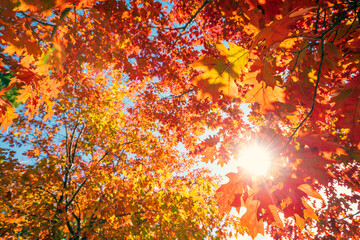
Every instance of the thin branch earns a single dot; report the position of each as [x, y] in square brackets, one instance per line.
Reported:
[7, 61]
[321, 38]
[69, 162]
[352, 24]
[324, 19]
[317, 20]
[297, 57]
[206, 2]
[314, 95]
[71, 142]
[102, 158]
[178, 96]
[337, 22]
[76, 193]
[38, 21]
[78, 222]
[351, 216]
[76, 143]
[71, 230]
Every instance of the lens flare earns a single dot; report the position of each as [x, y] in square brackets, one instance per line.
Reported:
[255, 159]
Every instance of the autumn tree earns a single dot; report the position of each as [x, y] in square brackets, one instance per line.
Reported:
[96, 172]
[114, 99]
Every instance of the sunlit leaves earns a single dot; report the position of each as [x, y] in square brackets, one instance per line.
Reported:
[279, 29]
[310, 191]
[118, 97]
[265, 96]
[250, 218]
[219, 74]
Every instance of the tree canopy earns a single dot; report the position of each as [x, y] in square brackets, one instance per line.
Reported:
[106, 109]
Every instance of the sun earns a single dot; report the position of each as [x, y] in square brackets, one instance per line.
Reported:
[255, 159]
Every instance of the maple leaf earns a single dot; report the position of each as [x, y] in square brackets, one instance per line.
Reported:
[321, 142]
[265, 96]
[250, 218]
[310, 191]
[219, 74]
[275, 212]
[229, 194]
[8, 118]
[77, 61]
[347, 104]
[209, 154]
[24, 94]
[236, 56]
[261, 71]
[279, 29]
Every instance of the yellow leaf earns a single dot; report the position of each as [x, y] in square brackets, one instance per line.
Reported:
[236, 55]
[49, 105]
[11, 49]
[219, 74]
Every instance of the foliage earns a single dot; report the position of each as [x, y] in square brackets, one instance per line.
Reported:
[9, 94]
[116, 96]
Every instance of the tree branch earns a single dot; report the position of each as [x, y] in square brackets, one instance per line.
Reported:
[71, 230]
[178, 96]
[76, 193]
[321, 38]
[351, 216]
[314, 95]
[76, 144]
[38, 21]
[206, 2]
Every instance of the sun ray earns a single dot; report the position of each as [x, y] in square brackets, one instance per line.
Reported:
[255, 159]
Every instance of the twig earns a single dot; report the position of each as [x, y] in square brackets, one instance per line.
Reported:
[206, 2]
[178, 96]
[38, 21]
[317, 20]
[297, 57]
[321, 38]
[314, 96]
[350, 216]
[62, 16]
[76, 193]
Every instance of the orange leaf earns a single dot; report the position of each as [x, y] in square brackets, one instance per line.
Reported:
[265, 96]
[310, 191]
[250, 219]
[8, 118]
[209, 154]
[322, 142]
[299, 221]
[279, 30]
[275, 212]
[25, 93]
